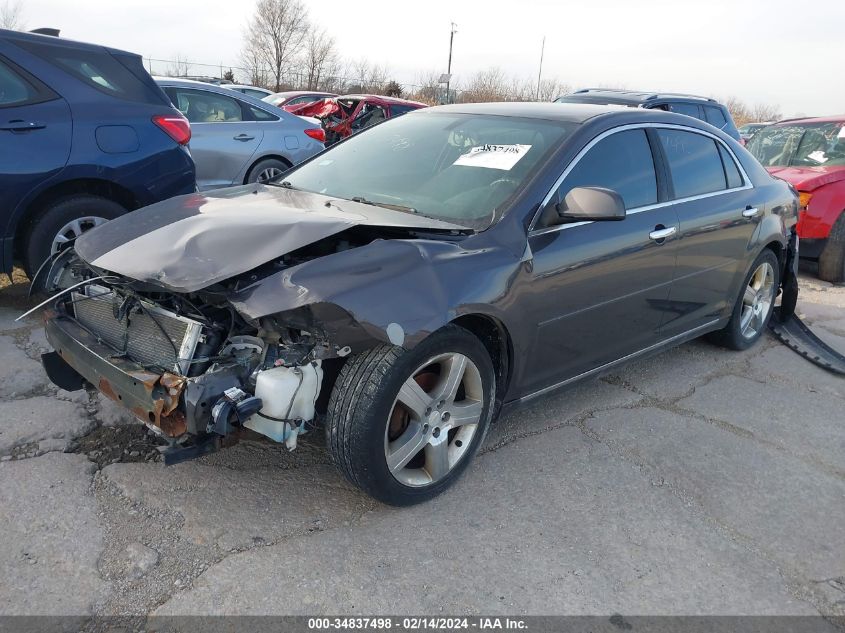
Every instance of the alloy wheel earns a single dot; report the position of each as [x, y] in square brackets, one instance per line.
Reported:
[433, 419]
[757, 300]
[74, 229]
[266, 175]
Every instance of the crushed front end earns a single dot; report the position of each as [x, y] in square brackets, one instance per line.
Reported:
[186, 365]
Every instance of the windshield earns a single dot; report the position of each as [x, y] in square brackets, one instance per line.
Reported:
[808, 145]
[455, 167]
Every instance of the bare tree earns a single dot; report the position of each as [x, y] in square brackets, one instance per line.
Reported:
[253, 61]
[551, 89]
[179, 67]
[277, 31]
[765, 112]
[487, 85]
[11, 15]
[320, 56]
[739, 111]
[427, 88]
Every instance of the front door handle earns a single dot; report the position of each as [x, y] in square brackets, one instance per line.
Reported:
[22, 126]
[750, 212]
[658, 235]
[243, 137]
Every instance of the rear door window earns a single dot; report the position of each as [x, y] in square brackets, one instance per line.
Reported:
[732, 174]
[202, 106]
[124, 78]
[398, 109]
[14, 89]
[622, 162]
[694, 162]
[715, 117]
[261, 115]
[688, 109]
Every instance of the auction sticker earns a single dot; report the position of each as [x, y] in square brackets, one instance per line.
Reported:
[492, 156]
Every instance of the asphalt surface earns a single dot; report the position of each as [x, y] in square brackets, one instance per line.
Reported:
[701, 481]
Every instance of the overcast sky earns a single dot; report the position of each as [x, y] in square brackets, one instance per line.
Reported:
[758, 50]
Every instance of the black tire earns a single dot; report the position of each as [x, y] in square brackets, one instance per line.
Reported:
[264, 165]
[54, 217]
[731, 335]
[832, 258]
[362, 402]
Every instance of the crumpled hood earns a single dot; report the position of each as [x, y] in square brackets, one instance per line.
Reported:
[190, 242]
[808, 178]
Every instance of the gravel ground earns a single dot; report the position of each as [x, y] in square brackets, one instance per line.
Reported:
[700, 481]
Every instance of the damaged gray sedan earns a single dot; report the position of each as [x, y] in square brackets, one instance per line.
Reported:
[405, 287]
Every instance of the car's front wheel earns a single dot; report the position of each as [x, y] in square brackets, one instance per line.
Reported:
[832, 258]
[403, 425]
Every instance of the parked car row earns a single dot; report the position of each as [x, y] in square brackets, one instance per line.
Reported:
[87, 135]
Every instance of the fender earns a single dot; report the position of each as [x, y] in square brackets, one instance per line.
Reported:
[396, 291]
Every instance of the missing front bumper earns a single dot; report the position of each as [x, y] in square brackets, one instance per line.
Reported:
[152, 397]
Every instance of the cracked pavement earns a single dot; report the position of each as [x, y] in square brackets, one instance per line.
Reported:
[700, 481]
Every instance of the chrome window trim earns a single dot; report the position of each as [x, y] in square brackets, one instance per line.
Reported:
[636, 126]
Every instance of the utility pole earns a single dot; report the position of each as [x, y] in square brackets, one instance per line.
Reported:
[540, 74]
[449, 67]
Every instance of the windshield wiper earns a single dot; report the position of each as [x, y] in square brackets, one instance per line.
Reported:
[385, 205]
[284, 184]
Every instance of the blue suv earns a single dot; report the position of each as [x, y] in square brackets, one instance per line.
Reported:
[85, 136]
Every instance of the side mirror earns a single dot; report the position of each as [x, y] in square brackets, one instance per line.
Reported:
[591, 203]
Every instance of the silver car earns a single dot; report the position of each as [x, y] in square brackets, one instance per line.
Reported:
[237, 139]
[252, 91]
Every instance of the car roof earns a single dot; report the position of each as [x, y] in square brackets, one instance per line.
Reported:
[570, 112]
[632, 96]
[176, 82]
[51, 39]
[232, 86]
[819, 119]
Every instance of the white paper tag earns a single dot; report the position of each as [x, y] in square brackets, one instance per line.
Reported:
[493, 156]
[841, 132]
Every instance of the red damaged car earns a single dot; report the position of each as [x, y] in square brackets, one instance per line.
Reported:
[343, 116]
[810, 155]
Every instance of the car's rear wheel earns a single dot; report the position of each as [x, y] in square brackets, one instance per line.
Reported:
[755, 304]
[403, 425]
[58, 226]
[832, 258]
[267, 170]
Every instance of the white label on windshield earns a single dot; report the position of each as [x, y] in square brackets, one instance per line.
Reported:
[841, 132]
[493, 156]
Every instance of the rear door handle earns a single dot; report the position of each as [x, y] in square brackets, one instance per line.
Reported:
[22, 126]
[750, 212]
[661, 234]
[243, 137]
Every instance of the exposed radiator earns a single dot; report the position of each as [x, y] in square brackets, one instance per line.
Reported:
[152, 336]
